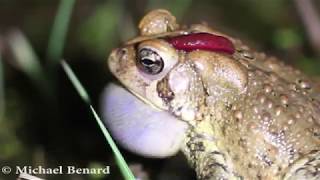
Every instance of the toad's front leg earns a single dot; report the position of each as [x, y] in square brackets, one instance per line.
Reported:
[307, 168]
[222, 80]
[204, 156]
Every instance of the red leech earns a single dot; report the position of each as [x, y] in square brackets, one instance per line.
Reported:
[202, 41]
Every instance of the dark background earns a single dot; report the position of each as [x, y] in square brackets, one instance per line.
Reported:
[44, 122]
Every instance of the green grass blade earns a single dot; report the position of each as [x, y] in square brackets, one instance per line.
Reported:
[76, 83]
[126, 172]
[59, 31]
[27, 61]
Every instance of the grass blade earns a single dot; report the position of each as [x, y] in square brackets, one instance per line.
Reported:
[27, 61]
[59, 31]
[126, 172]
[76, 83]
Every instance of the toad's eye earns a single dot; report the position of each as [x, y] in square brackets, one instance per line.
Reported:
[149, 61]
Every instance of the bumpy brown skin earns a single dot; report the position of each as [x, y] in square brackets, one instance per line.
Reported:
[250, 116]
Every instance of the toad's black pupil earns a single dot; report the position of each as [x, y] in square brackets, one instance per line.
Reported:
[147, 62]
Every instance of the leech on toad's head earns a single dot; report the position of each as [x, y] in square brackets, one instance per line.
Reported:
[202, 41]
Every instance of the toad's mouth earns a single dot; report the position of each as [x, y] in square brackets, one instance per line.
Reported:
[144, 100]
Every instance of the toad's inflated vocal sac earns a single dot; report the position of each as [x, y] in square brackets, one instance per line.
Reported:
[234, 113]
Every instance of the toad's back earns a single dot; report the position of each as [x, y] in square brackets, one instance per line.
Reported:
[273, 129]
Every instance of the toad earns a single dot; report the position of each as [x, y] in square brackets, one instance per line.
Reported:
[235, 113]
